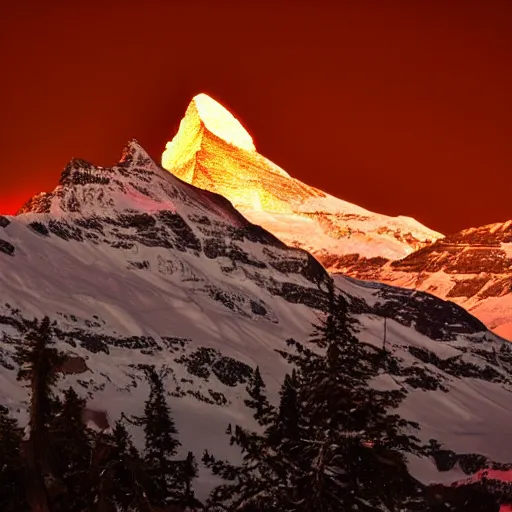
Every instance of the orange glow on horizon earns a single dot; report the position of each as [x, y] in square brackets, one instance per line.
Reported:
[10, 205]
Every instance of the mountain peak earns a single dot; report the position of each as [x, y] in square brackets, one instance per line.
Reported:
[218, 120]
[212, 151]
[136, 185]
[205, 117]
[133, 152]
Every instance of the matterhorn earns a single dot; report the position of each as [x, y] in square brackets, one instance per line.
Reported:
[213, 151]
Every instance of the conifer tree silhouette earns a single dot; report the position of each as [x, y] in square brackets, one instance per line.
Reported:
[12, 470]
[39, 361]
[333, 443]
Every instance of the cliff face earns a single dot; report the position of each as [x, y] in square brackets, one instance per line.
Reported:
[472, 268]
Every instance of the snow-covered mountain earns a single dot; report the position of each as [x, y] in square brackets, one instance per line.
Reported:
[214, 152]
[138, 267]
[472, 268]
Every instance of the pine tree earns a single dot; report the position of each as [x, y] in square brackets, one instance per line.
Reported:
[170, 479]
[353, 443]
[288, 421]
[12, 471]
[130, 477]
[72, 442]
[101, 478]
[117, 481]
[333, 444]
[264, 475]
[39, 362]
[258, 401]
[161, 443]
[187, 474]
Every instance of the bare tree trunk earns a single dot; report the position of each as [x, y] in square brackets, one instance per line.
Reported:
[38, 495]
[37, 491]
[385, 333]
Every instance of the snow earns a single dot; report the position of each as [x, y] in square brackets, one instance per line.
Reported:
[147, 204]
[507, 247]
[52, 276]
[494, 312]
[60, 276]
[309, 234]
[222, 123]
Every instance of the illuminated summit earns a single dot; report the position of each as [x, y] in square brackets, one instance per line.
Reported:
[205, 113]
[221, 122]
[213, 151]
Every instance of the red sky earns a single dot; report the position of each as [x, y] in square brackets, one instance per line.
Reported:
[400, 107]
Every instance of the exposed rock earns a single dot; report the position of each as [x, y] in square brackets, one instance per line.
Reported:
[6, 247]
[73, 365]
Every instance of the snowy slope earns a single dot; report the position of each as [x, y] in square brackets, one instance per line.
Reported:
[138, 267]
